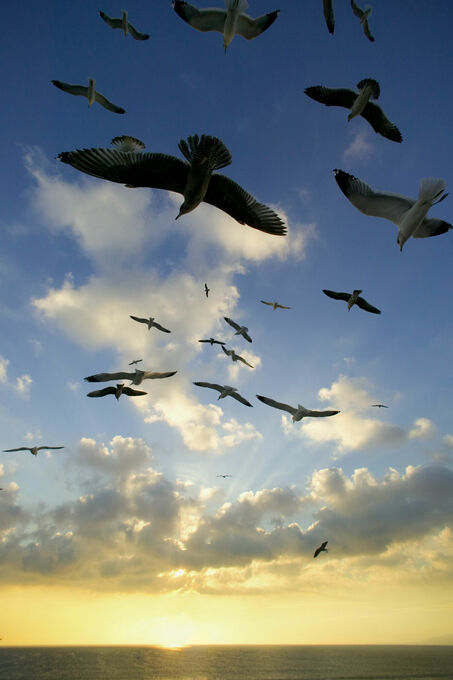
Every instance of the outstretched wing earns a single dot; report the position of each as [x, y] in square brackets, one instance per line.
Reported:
[21, 448]
[103, 392]
[357, 11]
[277, 404]
[240, 398]
[232, 323]
[319, 414]
[331, 96]
[78, 90]
[250, 28]
[114, 23]
[213, 386]
[139, 319]
[136, 34]
[363, 304]
[337, 296]
[202, 19]
[244, 361]
[133, 393]
[329, 15]
[431, 227]
[161, 328]
[154, 376]
[107, 104]
[380, 123]
[104, 377]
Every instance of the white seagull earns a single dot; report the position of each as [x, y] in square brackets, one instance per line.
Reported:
[297, 413]
[225, 391]
[275, 305]
[33, 449]
[90, 93]
[329, 15]
[117, 391]
[353, 299]
[136, 378]
[359, 104]
[240, 330]
[229, 21]
[124, 24]
[235, 357]
[322, 548]
[363, 16]
[150, 323]
[193, 178]
[408, 214]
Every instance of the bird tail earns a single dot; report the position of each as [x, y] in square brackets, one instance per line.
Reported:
[196, 149]
[127, 143]
[430, 188]
[372, 84]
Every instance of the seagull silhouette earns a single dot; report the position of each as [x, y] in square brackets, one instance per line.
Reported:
[213, 342]
[90, 93]
[240, 330]
[124, 24]
[322, 548]
[33, 449]
[117, 391]
[275, 305]
[363, 16]
[296, 413]
[225, 391]
[150, 323]
[206, 289]
[235, 357]
[353, 299]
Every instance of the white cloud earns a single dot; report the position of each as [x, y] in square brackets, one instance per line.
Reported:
[21, 385]
[423, 429]
[360, 147]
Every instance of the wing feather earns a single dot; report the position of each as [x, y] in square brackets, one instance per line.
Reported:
[331, 96]
[277, 404]
[380, 123]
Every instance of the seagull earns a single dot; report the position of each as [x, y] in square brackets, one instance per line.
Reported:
[89, 92]
[225, 391]
[150, 323]
[329, 15]
[127, 144]
[124, 25]
[363, 16]
[322, 548]
[206, 289]
[137, 377]
[135, 361]
[224, 476]
[229, 21]
[240, 330]
[192, 178]
[297, 413]
[117, 391]
[408, 214]
[359, 105]
[213, 342]
[275, 305]
[379, 405]
[352, 299]
[33, 450]
[235, 357]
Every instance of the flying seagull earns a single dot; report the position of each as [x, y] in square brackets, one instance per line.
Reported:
[235, 357]
[33, 449]
[329, 15]
[135, 361]
[150, 323]
[408, 214]
[240, 330]
[117, 391]
[275, 305]
[124, 25]
[229, 21]
[193, 178]
[89, 92]
[322, 548]
[206, 289]
[137, 377]
[127, 144]
[379, 405]
[297, 413]
[224, 476]
[225, 391]
[213, 342]
[363, 16]
[353, 299]
[359, 105]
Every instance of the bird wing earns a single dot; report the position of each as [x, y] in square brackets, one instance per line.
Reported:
[319, 414]
[267, 303]
[250, 28]
[331, 96]
[155, 170]
[133, 393]
[282, 306]
[136, 34]
[367, 31]
[103, 392]
[161, 328]
[240, 398]
[246, 336]
[228, 196]
[277, 404]
[337, 296]
[104, 377]
[139, 319]
[380, 123]
[107, 104]
[232, 323]
[21, 448]
[380, 405]
[244, 361]
[78, 90]
[329, 15]
[228, 352]
[431, 227]
[153, 376]
[213, 386]
[363, 304]
[357, 11]
[211, 19]
[49, 447]
[114, 23]
[378, 204]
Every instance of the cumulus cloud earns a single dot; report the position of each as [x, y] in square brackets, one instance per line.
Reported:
[22, 384]
[360, 148]
[423, 429]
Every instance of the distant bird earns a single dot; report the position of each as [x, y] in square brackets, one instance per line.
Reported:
[359, 105]
[408, 214]
[117, 391]
[137, 377]
[90, 93]
[379, 405]
[297, 413]
[213, 342]
[352, 299]
[240, 330]
[33, 450]
[206, 289]
[322, 548]
[193, 179]
[235, 357]
[363, 16]
[229, 21]
[275, 305]
[135, 361]
[329, 15]
[127, 144]
[224, 476]
[124, 25]
[225, 391]
[150, 323]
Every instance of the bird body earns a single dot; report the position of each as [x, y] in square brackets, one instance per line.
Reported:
[235, 357]
[33, 449]
[240, 330]
[408, 214]
[322, 548]
[150, 323]
[90, 93]
[124, 25]
[117, 391]
[136, 378]
[352, 299]
[296, 413]
[225, 391]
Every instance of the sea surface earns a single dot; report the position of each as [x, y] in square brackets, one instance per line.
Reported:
[227, 663]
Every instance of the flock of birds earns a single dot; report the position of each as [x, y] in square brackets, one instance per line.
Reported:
[197, 180]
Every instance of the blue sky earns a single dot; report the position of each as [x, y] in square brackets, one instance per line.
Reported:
[79, 255]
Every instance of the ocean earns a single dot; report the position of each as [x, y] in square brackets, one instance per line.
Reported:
[216, 662]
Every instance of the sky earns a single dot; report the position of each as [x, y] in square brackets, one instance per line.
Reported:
[128, 535]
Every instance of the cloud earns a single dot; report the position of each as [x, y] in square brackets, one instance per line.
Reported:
[423, 429]
[360, 147]
[22, 384]
[123, 455]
